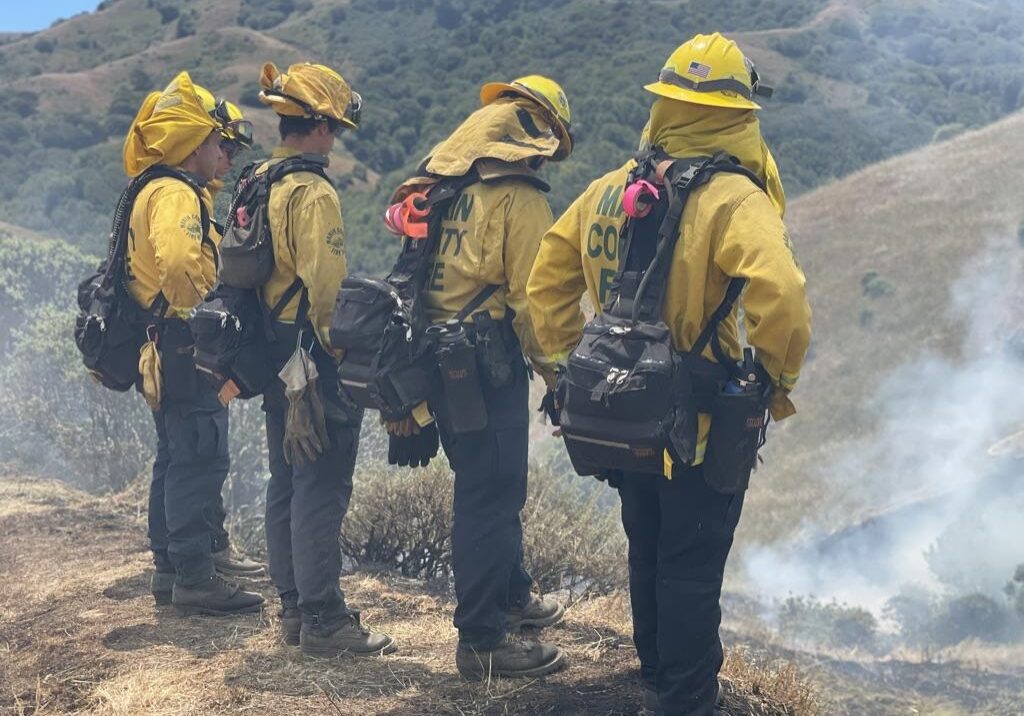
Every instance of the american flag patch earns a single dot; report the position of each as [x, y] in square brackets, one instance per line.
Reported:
[699, 70]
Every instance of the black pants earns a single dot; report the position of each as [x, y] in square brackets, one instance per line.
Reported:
[306, 505]
[185, 506]
[490, 491]
[219, 539]
[680, 532]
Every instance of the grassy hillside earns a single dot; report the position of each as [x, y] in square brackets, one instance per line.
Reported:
[884, 250]
[857, 82]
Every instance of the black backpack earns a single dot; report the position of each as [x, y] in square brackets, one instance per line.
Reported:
[111, 327]
[390, 361]
[231, 326]
[627, 394]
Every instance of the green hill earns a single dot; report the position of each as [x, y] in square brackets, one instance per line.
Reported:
[856, 83]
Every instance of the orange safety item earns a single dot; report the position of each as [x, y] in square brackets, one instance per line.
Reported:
[407, 218]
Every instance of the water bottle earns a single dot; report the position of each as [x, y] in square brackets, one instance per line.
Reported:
[457, 360]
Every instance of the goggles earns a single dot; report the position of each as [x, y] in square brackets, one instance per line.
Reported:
[241, 128]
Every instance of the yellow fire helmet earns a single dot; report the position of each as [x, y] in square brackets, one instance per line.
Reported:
[710, 70]
[233, 125]
[545, 92]
[309, 90]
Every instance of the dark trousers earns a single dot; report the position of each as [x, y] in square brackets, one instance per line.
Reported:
[490, 491]
[185, 504]
[158, 516]
[680, 532]
[306, 505]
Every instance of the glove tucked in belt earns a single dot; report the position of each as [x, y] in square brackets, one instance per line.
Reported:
[305, 427]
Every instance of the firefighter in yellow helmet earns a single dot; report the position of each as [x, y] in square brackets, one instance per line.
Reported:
[172, 263]
[235, 133]
[307, 499]
[680, 524]
[488, 242]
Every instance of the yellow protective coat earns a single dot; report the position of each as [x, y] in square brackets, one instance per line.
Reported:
[166, 251]
[309, 242]
[730, 228]
[491, 235]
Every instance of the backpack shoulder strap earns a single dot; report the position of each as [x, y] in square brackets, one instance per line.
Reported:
[679, 178]
[478, 300]
[413, 262]
[122, 218]
[315, 163]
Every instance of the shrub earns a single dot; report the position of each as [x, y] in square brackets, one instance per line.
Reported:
[808, 621]
[56, 421]
[402, 519]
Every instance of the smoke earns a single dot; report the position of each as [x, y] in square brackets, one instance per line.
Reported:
[944, 514]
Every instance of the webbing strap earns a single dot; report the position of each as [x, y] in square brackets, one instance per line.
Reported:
[732, 293]
[287, 297]
[477, 301]
[118, 253]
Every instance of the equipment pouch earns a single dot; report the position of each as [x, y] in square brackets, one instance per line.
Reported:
[456, 358]
[181, 380]
[492, 351]
[738, 424]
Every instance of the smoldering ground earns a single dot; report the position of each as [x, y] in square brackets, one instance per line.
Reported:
[939, 515]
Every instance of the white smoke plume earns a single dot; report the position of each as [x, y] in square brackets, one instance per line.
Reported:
[947, 516]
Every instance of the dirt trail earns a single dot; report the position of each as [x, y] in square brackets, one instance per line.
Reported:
[79, 635]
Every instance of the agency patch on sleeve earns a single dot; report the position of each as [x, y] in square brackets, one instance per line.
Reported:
[191, 225]
[335, 240]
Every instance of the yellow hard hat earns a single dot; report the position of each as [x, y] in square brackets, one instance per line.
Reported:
[548, 94]
[309, 90]
[233, 125]
[710, 70]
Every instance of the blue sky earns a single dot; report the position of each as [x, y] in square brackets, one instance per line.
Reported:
[28, 15]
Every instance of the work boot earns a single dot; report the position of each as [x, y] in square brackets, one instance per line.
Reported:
[215, 597]
[291, 624]
[231, 565]
[511, 658]
[351, 637]
[652, 706]
[161, 586]
[538, 612]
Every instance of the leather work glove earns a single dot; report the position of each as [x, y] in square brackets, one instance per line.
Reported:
[414, 449]
[305, 427]
[152, 375]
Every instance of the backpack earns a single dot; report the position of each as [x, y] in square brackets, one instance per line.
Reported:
[111, 327]
[231, 326]
[390, 361]
[627, 394]
[247, 249]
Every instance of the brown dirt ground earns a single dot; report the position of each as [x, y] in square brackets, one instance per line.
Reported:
[79, 635]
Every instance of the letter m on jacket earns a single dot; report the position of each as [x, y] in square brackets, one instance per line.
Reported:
[611, 203]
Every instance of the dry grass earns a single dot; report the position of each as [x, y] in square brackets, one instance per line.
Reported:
[79, 635]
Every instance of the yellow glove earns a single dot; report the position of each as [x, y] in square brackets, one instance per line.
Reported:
[152, 375]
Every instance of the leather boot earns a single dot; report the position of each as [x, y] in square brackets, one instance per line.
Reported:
[161, 586]
[214, 597]
[236, 565]
[510, 658]
[538, 612]
[350, 637]
[291, 624]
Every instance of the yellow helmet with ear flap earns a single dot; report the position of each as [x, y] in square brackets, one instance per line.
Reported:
[545, 92]
[710, 70]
